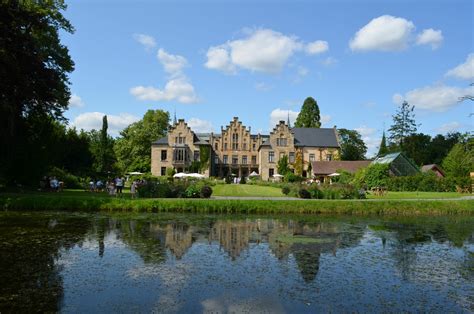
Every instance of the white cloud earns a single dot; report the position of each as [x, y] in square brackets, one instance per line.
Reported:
[302, 71]
[282, 114]
[371, 140]
[176, 89]
[173, 64]
[261, 50]
[430, 37]
[329, 61]
[317, 47]
[278, 115]
[465, 70]
[434, 98]
[263, 87]
[384, 33]
[449, 127]
[218, 58]
[93, 120]
[76, 101]
[325, 118]
[200, 126]
[146, 40]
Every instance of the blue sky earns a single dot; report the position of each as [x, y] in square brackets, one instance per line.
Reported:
[258, 60]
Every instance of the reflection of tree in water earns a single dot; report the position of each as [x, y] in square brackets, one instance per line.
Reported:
[29, 247]
[307, 259]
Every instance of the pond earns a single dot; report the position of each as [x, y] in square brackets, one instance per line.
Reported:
[78, 262]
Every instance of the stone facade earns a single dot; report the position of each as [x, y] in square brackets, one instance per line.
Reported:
[235, 151]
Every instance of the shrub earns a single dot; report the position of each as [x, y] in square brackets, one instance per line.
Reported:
[155, 189]
[372, 176]
[315, 191]
[285, 190]
[206, 191]
[70, 180]
[243, 180]
[303, 193]
[192, 191]
[291, 177]
[228, 180]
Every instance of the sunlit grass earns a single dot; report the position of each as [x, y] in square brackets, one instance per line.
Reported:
[246, 190]
[417, 195]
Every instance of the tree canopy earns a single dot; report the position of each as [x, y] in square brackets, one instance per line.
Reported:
[133, 148]
[403, 124]
[352, 145]
[460, 159]
[383, 150]
[309, 116]
[34, 81]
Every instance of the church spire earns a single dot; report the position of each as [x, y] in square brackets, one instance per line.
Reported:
[288, 122]
[174, 119]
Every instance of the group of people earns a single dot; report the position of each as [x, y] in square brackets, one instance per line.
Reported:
[51, 184]
[115, 186]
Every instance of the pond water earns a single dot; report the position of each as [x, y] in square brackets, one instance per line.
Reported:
[75, 262]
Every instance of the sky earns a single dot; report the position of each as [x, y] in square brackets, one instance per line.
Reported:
[209, 61]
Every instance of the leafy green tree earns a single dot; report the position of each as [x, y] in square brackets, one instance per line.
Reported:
[298, 164]
[102, 149]
[282, 165]
[76, 157]
[403, 124]
[133, 148]
[441, 145]
[352, 145]
[418, 147]
[383, 150]
[33, 84]
[309, 116]
[460, 160]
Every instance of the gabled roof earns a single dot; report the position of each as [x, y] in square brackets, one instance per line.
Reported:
[328, 167]
[315, 137]
[433, 167]
[161, 141]
[387, 159]
[399, 163]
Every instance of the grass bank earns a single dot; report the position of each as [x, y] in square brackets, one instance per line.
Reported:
[246, 190]
[357, 207]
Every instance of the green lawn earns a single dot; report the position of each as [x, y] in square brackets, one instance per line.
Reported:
[245, 190]
[420, 195]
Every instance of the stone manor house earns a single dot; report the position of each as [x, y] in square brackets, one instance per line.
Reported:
[237, 151]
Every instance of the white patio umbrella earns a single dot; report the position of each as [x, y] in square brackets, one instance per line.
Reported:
[277, 175]
[254, 174]
[135, 173]
[180, 175]
[195, 175]
[335, 174]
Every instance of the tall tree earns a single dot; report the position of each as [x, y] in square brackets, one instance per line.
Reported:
[418, 147]
[33, 79]
[441, 145]
[383, 150]
[133, 148]
[102, 149]
[352, 145]
[309, 116]
[460, 160]
[282, 165]
[403, 124]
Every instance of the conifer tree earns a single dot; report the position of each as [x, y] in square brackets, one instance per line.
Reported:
[309, 116]
[383, 150]
[403, 124]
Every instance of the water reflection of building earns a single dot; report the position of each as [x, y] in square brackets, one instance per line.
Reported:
[233, 236]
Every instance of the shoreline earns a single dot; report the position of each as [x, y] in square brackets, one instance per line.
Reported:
[402, 207]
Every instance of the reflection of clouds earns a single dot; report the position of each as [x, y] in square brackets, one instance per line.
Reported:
[223, 304]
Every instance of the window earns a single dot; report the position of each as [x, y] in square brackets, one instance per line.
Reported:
[235, 159]
[215, 146]
[254, 146]
[163, 171]
[179, 155]
[224, 159]
[271, 172]
[225, 146]
[235, 146]
[164, 154]
[291, 157]
[311, 157]
[328, 157]
[216, 159]
[244, 160]
[271, 156]
[254, 160]
[235, 137]
[180, 139]
[244, 146]
[196, 155]
[281, 141]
